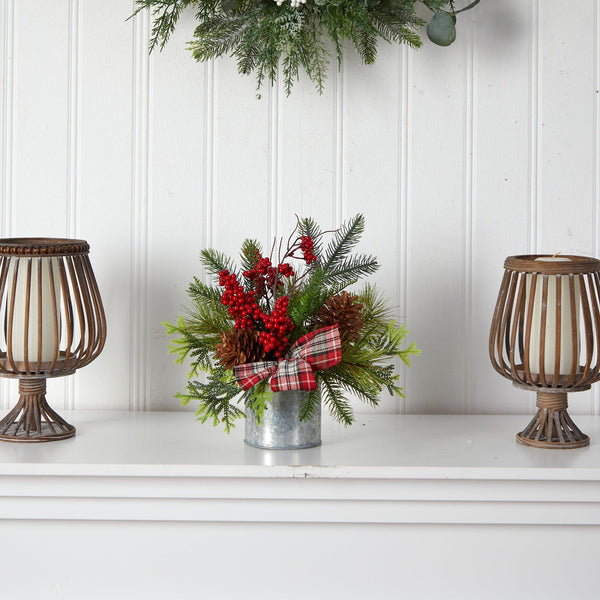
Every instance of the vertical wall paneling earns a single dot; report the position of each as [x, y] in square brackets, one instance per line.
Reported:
[73, 120]
[374, 99]
[105, 183]
[139, 210]
[596, 128]
[180, 200]
[40, 143]
[567, 71]
[567, 152]
[457, 156]
[41, 100]
[209, 158]
[6, 184]
[437, 246]
[502, 179]
[470, 152]
[535, 128]
[535, 168]
[242, 161]
[340, 143]
[403, 215]
[274, 95]
[72, 153]
[307, 153]
[8, 78]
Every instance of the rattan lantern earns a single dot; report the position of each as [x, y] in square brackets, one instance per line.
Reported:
[53, 323]
[545, 336]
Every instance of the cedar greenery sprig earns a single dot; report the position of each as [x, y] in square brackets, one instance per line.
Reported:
[368, 360]
[280, 38]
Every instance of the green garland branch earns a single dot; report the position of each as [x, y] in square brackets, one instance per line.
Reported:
[278, 38]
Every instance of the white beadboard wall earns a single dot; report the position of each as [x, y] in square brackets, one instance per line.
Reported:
[457, 156]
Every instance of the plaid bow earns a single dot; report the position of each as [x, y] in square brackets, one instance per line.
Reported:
[314, 351]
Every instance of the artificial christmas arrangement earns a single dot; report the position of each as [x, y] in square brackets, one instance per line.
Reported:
[285, 324]
[276, 38]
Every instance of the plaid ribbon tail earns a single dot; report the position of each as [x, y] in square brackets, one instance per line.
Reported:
[249, 374]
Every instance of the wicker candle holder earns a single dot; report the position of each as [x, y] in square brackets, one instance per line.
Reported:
[54, 324]
[545, 336]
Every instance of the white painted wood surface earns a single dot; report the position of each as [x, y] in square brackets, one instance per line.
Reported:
[165, 507]
[458, 157]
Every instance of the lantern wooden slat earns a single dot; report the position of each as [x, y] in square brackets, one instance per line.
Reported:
[548, 310]
[595, 290]
[558, 332]
[575, 308]
[55, 319]
[543, 319]
[54, 323]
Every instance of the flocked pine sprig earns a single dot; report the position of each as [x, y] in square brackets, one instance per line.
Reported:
[279, 38]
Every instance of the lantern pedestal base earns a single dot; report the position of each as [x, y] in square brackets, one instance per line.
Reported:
[552, 427]
[32, 419]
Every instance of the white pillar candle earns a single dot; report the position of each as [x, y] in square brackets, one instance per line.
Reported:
[50, 311]
[566, 327]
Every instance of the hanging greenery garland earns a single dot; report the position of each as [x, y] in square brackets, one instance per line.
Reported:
[276, 38]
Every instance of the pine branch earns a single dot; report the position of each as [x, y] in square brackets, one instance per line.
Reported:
[333, 397]
[165, 14]
[310, 405]
[352, 269]
[199, 292]
[215, 398]
[305, 302]
[257, 399]
[189, 345]
[215, 261]
[377, 313]
[365, 42]
[250, 254]
[347, 236]
[218, 35]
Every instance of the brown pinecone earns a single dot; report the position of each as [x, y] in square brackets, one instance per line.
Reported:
[342, 310]
[239, 346]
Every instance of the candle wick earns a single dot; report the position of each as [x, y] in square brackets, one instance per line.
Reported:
[555, 255]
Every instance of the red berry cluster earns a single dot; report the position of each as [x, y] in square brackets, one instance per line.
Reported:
[247, 314]
[307, 246]
[242, 305]
[264, 275]
[285, 269]
[277, 326]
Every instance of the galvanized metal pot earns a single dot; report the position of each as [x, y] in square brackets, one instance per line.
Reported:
[281, 427]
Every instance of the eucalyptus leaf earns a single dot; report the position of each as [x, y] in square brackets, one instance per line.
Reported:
[441, 30]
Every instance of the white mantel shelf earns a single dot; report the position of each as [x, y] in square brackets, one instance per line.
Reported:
[165, 466]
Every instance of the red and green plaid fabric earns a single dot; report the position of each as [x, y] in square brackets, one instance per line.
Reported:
[315, 351]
